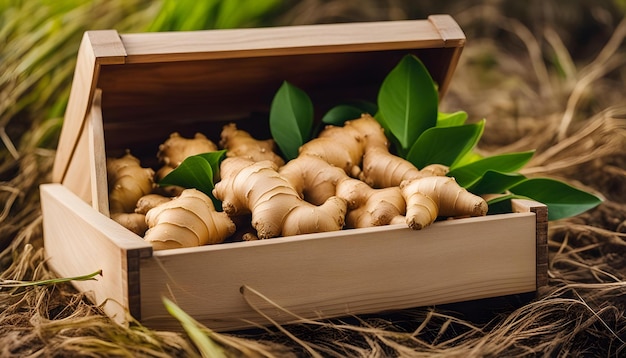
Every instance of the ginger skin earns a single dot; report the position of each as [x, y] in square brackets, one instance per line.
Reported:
[430, 197]
[362, 141]
[240, 143]
[186, 221]
[371, 207]
[177, 148]
[128, 182]
[316, 181]
[149, 201]
[276, 207]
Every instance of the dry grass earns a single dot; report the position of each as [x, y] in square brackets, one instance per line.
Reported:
[568, 108]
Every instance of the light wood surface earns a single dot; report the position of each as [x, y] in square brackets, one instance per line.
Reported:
[79, 240]
[438, 31]
[318, 275]
[97, 48]
[78, 178]
[327, 275]
[97, 158]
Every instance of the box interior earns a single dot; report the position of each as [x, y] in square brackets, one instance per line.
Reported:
[155, 99]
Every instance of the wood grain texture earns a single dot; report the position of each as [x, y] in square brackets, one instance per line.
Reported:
[96, 48]
[78, 175]
[453, 37]
[317, 275]
[97, 157]
[336, 274]
[450, 32]
[290, 40]
[79, 240]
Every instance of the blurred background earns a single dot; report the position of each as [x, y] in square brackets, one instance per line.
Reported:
[39, 39]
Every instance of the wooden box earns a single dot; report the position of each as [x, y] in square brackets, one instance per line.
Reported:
[132, 90]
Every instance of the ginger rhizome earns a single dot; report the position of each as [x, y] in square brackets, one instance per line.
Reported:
[434, 196]
[346, 177]
[240, 143]
[276, 208]
[361, 143]
[177, 148]
[186, 221]
[149, 201]
[316, 180]
[128, 182]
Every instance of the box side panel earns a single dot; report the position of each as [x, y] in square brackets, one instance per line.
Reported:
[454, 42]
[86, 174]
[97, 157]
[96, 48]
[363, 271]
[286, 40]
[78, 177]
[79, 240]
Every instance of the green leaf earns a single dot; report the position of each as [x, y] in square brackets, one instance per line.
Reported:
[199, 172]
[562, 199]
[494, 182]
[505, 163]
[408, 101]
[345, 112]
[469, 157]
[444, 145]
[500, 205]
[451, 119]
[53, 281]
[395, 143]
[291, 119]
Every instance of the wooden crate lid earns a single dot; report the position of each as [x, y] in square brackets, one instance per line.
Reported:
[153, 83]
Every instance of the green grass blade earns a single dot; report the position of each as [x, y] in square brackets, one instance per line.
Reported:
[53, 281]
[206, 346]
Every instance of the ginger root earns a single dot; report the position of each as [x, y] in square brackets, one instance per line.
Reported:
[276, 207]
[240, 143]
[371, 207]
[177, 148]
[314, 174]
[186, 221]
[429, 197]
[149, 201]
[128, 182]
[316, 181]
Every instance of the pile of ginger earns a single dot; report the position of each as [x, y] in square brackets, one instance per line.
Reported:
[344, 178]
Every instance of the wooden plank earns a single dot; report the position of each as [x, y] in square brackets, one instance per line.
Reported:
[79, 240]
[453, 38]
[336, 274]
[97, 157]
[96, 48]
[86, 173]
[77, 174]
[292, 40]
[450, 32]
